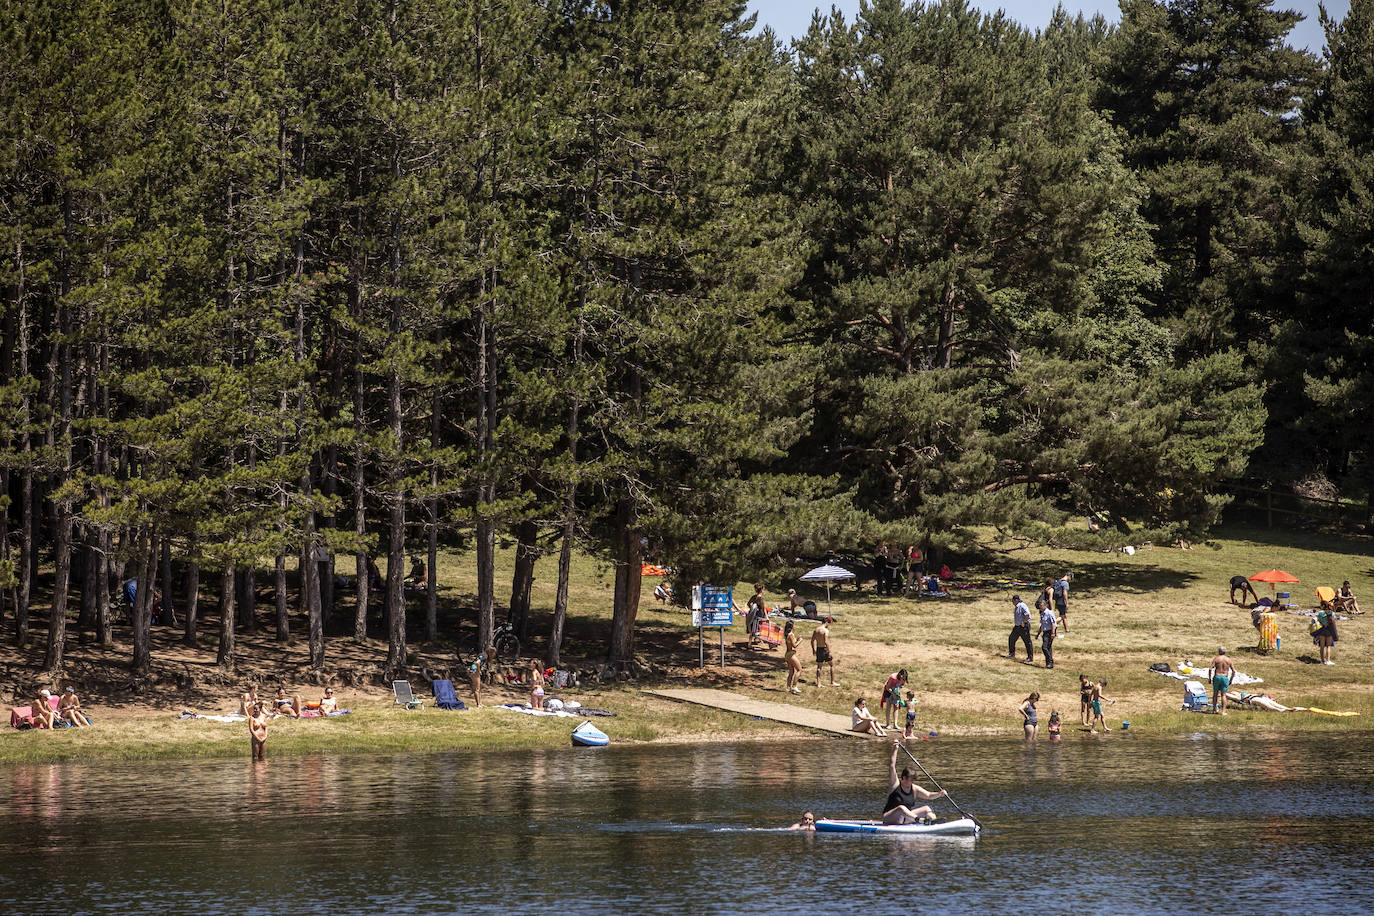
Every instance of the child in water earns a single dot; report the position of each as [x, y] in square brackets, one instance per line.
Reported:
[1055, 725]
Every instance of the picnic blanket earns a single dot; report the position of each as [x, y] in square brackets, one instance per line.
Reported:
[1187, 672]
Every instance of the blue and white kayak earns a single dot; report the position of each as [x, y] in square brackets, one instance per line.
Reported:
[962, 827]
[588, 735]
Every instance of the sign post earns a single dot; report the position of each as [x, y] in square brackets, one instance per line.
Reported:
[712, 606]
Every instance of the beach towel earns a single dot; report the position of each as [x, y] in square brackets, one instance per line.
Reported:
[444, 695]
[21, 717]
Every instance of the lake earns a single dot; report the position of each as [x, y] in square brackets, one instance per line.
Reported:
[1119, 823]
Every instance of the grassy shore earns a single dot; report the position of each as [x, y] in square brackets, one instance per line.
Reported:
[1126, 612]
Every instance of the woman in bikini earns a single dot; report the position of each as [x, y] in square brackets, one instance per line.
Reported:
[1085, 700]
[791, 642]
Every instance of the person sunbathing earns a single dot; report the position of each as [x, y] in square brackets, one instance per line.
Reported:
[287, 706]
[70, 709]
[1261, 700]
[43, 713]
[247, 700]
[1345, 599]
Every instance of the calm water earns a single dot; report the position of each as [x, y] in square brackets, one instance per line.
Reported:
[1122, 824]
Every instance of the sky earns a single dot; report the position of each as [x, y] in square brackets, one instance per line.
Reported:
[790, 18]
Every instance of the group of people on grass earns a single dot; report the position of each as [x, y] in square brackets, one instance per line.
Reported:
[1052, 616]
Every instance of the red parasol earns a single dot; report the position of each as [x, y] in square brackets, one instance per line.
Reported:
[1273, 576]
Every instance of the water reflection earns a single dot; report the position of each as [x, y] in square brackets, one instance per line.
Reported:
[1106, 825]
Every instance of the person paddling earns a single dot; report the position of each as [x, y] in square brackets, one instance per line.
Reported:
[901, 801]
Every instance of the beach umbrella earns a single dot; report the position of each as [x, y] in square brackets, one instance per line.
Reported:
[1273, 577]
[827, 574]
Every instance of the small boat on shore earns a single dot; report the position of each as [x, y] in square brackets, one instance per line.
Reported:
[588, 735]
[962, 827]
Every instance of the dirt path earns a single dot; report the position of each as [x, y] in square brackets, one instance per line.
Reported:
[777, 712]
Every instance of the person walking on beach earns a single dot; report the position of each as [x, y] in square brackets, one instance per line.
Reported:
[791, 642]
[1060, 591]
[900, 807]
[820, 645]
[1222, 672]
[1020, 629]
[257, 732]
[1046, 634]
[1030, 718]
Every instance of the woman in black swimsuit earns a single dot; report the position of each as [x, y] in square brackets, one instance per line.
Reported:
[900, 807]
[1085, 699]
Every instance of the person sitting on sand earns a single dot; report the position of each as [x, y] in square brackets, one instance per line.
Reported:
[257, 732]
[70, 709]
[287, 706]
[43, 713]
[807, 822]
[861, 720]
[327, 702]
[900, 807]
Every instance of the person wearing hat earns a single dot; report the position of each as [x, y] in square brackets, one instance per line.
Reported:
[70, 708]
[1222, 673]
[42, 710]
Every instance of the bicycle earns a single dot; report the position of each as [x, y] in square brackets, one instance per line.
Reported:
[505, 645]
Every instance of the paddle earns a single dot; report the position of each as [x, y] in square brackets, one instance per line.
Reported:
[939, 787]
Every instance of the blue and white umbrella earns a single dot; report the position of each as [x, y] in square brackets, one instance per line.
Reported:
[828, 575]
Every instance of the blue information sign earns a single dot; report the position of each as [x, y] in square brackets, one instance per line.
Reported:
[717, 606]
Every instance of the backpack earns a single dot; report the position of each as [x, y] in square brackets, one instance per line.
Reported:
[1059, 590]
[1316, 624]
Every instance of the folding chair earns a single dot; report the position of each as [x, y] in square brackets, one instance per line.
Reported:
[405, 696]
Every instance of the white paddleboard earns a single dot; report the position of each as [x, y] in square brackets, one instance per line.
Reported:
[962, 827]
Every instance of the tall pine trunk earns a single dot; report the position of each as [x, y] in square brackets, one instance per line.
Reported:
[522, 580]
[225, 656]
[143, 602]
[190, 623]
[627, 581]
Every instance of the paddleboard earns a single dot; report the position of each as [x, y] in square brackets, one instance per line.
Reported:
[962, 827]
[588, 735]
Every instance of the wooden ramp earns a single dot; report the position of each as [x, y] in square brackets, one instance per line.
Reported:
[789, 713]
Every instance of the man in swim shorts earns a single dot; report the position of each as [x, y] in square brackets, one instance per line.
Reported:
[1223, 672]
[820, 645]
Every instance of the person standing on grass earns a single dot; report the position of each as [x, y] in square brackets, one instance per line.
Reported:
[1046, 634]
[900, 807]
[791, 642]
[1030, 718]
[1325, 637]
[1222, 673]
[820, 645]
[1060, 590]
[1020, 629]
[257, 732]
